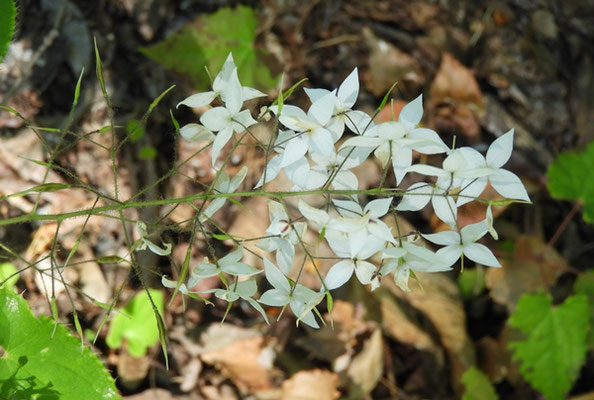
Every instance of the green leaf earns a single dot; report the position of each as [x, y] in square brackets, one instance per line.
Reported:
[147, 153]
[134, 130]
[478, 386]
[8, 273]
[585, 285]
[35, 365]
[555, 347]
[136, 324]
[7, 18]
[569, 178]
[207, 41]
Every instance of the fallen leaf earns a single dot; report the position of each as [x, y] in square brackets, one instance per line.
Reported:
[439, 299]
[367, 367]
[240, 354]
[316, 384]
[534, 266]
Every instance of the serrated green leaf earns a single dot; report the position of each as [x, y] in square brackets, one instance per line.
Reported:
[585, 285]
[207, 41]
[8, 275]
[569, 178]
[7, 18]
[478, 386]
[35, 365]
[555, 347]
[136, 324]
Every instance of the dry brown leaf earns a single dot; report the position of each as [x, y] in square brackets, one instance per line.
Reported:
[389, 65]
[316, 384]
[240, 354]
[439, 299]
[398, 326]
[367, 367]
[534, 266]
[455, 82]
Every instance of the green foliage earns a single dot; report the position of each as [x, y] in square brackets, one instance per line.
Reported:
[471, 282]
[7, 18]
[147, 153]
[35, 364]
[478, 386]
[208, 41]
[569, 178]
[8, 273]
[585, 285]
[555, 347]
[136, 323]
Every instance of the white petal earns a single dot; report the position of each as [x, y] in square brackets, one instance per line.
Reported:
[285, 255]
[445, 208]
[431, 142]
[401, 160]
[240, 269]
[321, 110]
[198, 100]
[233, 94]
[383, 154]
[315, 94]
[508, 185]
[379, 207]
[196, 133]
[216, 119]
[220, 141]
[411, 114]
[321, 142]
[443, 238]
[471, 190]
[380, 230]
[349, 89]
[298, 172]
[473, 232]
[481, 254]
[249, 93]
[339, 274]
[275, 298]
[427, 170]
[401, 278]
[295, 149]
[237, 179]
[364, 271]
[362, 141]
[275, 277]
[358, 122]
[272, 170]
[348, 208]
[449, 255]
[500, 150]
[312, 214]
[243, 120]
[345, 180]
[391, 130]
[393, 252]
[416, 197]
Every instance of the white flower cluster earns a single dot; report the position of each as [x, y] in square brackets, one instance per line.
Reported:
[307, 152]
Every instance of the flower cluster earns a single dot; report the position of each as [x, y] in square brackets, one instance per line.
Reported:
[307, 150]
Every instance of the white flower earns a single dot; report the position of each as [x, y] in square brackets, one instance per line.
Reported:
[407, 257]
[463, 243]
[286, 236]
[298, 297]
[223, 185]
[219, 86]
[240, 290]
[418, 195]
[228, 119]
[395, 141]
[196, 133]
[141, 228]
[506, 183]
[229, 264]
[342, 271]
[311, 133]
[358, 223]
[346, 96]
